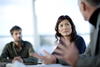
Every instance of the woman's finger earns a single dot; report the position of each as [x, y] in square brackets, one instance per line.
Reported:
[46, 53]
[62, 47]
[59, 51]
[37, 55]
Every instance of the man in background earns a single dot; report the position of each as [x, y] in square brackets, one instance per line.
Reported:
[18, 50]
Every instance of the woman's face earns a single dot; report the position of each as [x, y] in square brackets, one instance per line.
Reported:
[65, 28]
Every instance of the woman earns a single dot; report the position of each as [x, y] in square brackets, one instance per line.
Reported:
[66, 35]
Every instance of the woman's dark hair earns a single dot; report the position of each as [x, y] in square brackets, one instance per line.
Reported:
[60, 19]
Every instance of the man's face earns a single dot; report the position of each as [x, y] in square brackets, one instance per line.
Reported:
[17, 36]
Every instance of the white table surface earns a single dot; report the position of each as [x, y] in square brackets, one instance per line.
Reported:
[49, 65]
[17, 64]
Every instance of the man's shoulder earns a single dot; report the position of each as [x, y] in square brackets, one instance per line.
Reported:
[26, 43]
[9, 44]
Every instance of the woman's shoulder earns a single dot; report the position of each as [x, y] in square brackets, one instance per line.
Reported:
[78, 37]
[79, 40]
[80, 43]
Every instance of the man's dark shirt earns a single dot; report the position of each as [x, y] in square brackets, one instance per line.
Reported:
[93, 21]
[10, 51]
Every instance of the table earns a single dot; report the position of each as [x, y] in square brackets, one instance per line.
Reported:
[39, 65]
[49, 65]
[2, 64]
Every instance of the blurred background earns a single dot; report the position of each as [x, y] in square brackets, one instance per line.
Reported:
[37, 18]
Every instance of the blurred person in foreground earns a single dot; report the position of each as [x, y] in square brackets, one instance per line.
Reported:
[90, 10]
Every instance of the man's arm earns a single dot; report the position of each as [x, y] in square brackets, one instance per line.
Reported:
[88, 61]
[4, 55]
[30, 59]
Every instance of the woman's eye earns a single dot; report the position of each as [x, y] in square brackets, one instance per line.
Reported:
[67, 24]
[61, 25]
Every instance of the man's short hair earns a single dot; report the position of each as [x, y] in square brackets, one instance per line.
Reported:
[15, 28]
[95, 3]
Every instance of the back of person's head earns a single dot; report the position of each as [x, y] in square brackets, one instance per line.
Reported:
[14, 28]
[95, 3]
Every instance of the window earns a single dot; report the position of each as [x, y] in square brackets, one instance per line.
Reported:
[16, 12]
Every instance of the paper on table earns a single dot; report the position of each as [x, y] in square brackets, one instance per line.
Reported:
[15, 64]
[49, 49]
